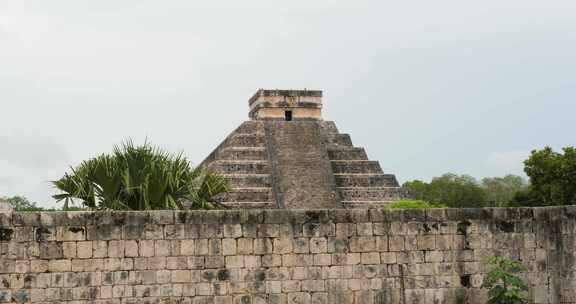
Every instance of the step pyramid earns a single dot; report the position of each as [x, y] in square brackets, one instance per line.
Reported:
[286, 156]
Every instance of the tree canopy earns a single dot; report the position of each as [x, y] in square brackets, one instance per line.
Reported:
[21, 203]
[500, 191]
[552, 176]
[450, 189]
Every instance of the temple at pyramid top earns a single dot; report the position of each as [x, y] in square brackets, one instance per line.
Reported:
[287, 156]
[286, 105]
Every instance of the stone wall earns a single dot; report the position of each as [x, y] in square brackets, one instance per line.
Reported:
[281, 256]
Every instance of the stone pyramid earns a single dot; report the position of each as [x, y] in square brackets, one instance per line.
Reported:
[287, 156]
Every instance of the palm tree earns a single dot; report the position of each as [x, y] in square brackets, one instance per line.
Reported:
[140, 178]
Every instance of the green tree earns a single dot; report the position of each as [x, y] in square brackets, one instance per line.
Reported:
[418, 189]
[21, 203]
[526, 198]
[504, 286]
[500, 191]
[140, 178]
[452, 190]
[552, 176]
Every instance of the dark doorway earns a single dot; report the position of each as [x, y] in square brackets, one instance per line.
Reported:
[288, 115]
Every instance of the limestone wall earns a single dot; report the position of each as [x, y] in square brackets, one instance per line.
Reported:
[281, 256]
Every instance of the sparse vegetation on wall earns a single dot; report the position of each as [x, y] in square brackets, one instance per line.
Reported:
[503, 284]
[413, 204]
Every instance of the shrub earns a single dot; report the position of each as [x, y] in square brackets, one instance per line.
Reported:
[140, 178]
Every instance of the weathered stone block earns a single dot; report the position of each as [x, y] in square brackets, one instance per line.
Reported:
[271, 260]
[232, 230]
[229, 247]
[161, 248]
[26, 219]
[318, 245]
[268, 230]
[251, 261]
[156, 232]
[370, 258]
[345, 230]
[115, 249]
[362, 244]
[364, 229]
[131, 248]
[134, 232]
[104, 232]
[146, 248]
[59, 265]
[235, 261]
[282, 245]
[35, 266]
[263, 246]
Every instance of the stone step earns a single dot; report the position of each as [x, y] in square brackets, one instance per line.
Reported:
[347, 153]
[246, 140]
[250, 127]
[242, 153]
[338, 140]
[355, 166]
[250, 205]
[249, 180]
[329, 127]
[383, 194]
[246, 195]
[366, 180]
[240, 167]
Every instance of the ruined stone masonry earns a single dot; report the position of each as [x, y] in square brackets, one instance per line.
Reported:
[286, 156]
[342, 256]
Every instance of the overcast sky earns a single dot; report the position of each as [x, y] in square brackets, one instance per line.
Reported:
[427, 87]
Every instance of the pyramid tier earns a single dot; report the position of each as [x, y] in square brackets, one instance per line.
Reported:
[250, 127]
[249, 180]
[347, 153]
[366, 180]
[338, 140]
[247, 195]
[240, 167]
[245, 140]
[355, 166]
[242, 153]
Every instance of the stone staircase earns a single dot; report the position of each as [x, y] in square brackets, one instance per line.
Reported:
[302, 169]
[360, 182]
[243, 159]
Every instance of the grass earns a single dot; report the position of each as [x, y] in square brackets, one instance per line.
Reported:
[414, 204]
